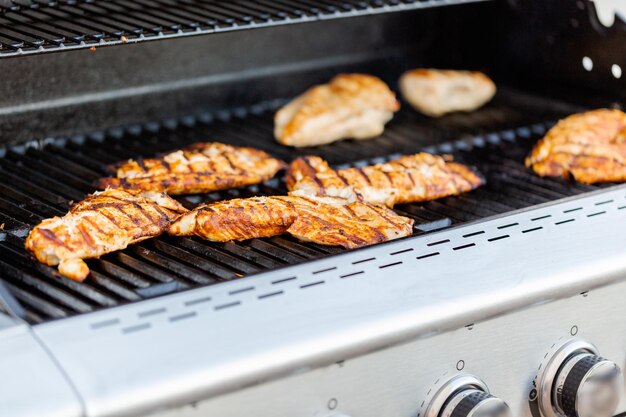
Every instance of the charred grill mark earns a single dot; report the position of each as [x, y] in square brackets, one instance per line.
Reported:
[190, 166]
[141, 165]
[112, 219]
[364, 175]
[349, 209]
[122, 207]
[51, 236]
[343, 179]
[136, 205]
[125, 183]
[230, 162]
[95, 206]
[355, 238]
[388, 176]
[163, 216]
[93, 224]
[350, 237]
[86, 237]
[146, 213]
[164, 184]
[410, 175]
[381, 214]
[314, 176]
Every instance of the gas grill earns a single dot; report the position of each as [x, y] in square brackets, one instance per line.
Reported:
[496, 289]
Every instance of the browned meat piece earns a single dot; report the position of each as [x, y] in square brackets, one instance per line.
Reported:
[353, 106]
[238, 219]
[104, 222]
[200, 168]
[437, 92]
[327, 221]
[590, 146]
[408, 179]
[336, 222]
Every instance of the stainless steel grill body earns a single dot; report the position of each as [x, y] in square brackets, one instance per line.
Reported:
[492, 283]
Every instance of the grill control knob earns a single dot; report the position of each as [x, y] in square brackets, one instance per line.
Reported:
[463, 396]
[575, 382]
[474, 403]
[587, 385]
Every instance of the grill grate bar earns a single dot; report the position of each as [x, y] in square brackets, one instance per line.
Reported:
[37, 26]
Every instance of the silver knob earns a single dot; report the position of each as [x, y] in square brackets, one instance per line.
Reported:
[587, 385]
[475, 403]
[463, 396]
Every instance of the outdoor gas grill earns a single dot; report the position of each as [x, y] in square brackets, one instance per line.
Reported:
[500, 294]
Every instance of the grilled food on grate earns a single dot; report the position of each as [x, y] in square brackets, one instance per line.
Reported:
[437, 92]
[199, 168]
[327, 221]
[104, 222]
[590, 146]
[408, 179]
[353, 106]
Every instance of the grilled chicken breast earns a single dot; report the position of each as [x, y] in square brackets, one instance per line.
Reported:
[353, 106]
[200, 168]
[336, 222]
[104, 222]
[237, 219]
[590, 147]
[408, 179]
[327, 221]
[437, 92]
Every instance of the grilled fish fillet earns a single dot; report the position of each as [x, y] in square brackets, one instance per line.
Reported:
[327, 221]
[590, 146]
[104, 222]
[437, 92]
[353, 106]
[199, 168]
[408, 179]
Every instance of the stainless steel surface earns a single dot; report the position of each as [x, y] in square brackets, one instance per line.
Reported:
[598, 392]
[549, 370]
[505, 352]
[444, 390]
[31, 383]
[405, 323]
[7, 322]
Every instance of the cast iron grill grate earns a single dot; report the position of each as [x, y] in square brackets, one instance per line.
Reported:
[40, 181]
[32, 26]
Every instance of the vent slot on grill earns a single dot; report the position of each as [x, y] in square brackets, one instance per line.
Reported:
[39, 181]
